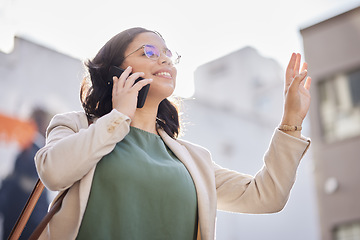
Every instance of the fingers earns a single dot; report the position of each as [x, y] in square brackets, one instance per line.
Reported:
[115, 85]
[130, 81]
[299, 78]
[290, 67]
[304, 66]
[140, 84]
[119, 82]
[124, 76]
[297, 63]
[126, 81]
[294, 66]
[307, 83]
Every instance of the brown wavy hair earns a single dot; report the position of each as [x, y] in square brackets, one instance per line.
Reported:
[96, 93]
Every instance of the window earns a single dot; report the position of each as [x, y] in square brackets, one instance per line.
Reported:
[348, 232]
[340, 106]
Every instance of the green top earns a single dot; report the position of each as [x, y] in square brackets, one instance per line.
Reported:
[140, 191]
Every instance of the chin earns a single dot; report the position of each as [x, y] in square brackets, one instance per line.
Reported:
[162, 93]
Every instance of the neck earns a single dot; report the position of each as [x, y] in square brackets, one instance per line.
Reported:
[145, 118]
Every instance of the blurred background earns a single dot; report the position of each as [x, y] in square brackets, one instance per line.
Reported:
[230, 81]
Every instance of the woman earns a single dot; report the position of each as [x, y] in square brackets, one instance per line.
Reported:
[128, 175]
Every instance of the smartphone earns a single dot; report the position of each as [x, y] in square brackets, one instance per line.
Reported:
[116, 71]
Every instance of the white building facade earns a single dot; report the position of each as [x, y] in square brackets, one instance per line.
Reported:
[34, 75]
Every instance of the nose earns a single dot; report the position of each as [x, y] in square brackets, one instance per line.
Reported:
[163, 59]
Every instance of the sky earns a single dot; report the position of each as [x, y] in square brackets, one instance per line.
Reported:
[199, 30]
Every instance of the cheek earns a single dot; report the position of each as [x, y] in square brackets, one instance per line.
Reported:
[175, 76]
[174, 81]
[137, 66]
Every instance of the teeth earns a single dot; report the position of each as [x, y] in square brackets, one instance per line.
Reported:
[164, 74]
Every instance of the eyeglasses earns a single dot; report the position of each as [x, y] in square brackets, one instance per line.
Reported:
[153, 53]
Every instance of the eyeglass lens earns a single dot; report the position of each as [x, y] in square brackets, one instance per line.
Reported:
[152, 52]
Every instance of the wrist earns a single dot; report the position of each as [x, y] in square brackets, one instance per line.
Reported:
[293, 130]
[290, 128]
[291, 121]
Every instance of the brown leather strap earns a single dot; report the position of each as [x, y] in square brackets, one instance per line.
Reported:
[54, 209]
[27, 210]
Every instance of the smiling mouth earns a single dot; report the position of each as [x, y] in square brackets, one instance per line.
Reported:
[163, 74]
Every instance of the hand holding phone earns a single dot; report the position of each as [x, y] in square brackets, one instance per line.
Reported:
[116, 71]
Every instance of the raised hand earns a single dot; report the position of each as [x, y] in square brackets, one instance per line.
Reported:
[125, 92]
[297, 93]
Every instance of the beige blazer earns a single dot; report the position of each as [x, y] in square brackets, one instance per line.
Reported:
[73, 149]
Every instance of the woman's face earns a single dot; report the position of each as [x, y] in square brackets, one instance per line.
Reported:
[161, 70]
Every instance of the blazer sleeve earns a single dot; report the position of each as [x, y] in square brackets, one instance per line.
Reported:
[269, 189]
[72, 148]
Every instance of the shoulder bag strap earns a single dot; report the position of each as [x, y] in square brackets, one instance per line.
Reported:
[54, 209]
[27, 210]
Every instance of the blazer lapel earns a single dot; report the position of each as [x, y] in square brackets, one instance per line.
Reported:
[202, 195]
[183, 154]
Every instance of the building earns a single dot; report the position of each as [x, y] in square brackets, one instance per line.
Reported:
[32, 76]
[236, 107]
[332, 49]
[36, 75]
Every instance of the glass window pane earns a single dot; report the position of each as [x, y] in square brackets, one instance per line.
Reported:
[340, 106]
[348, 232]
